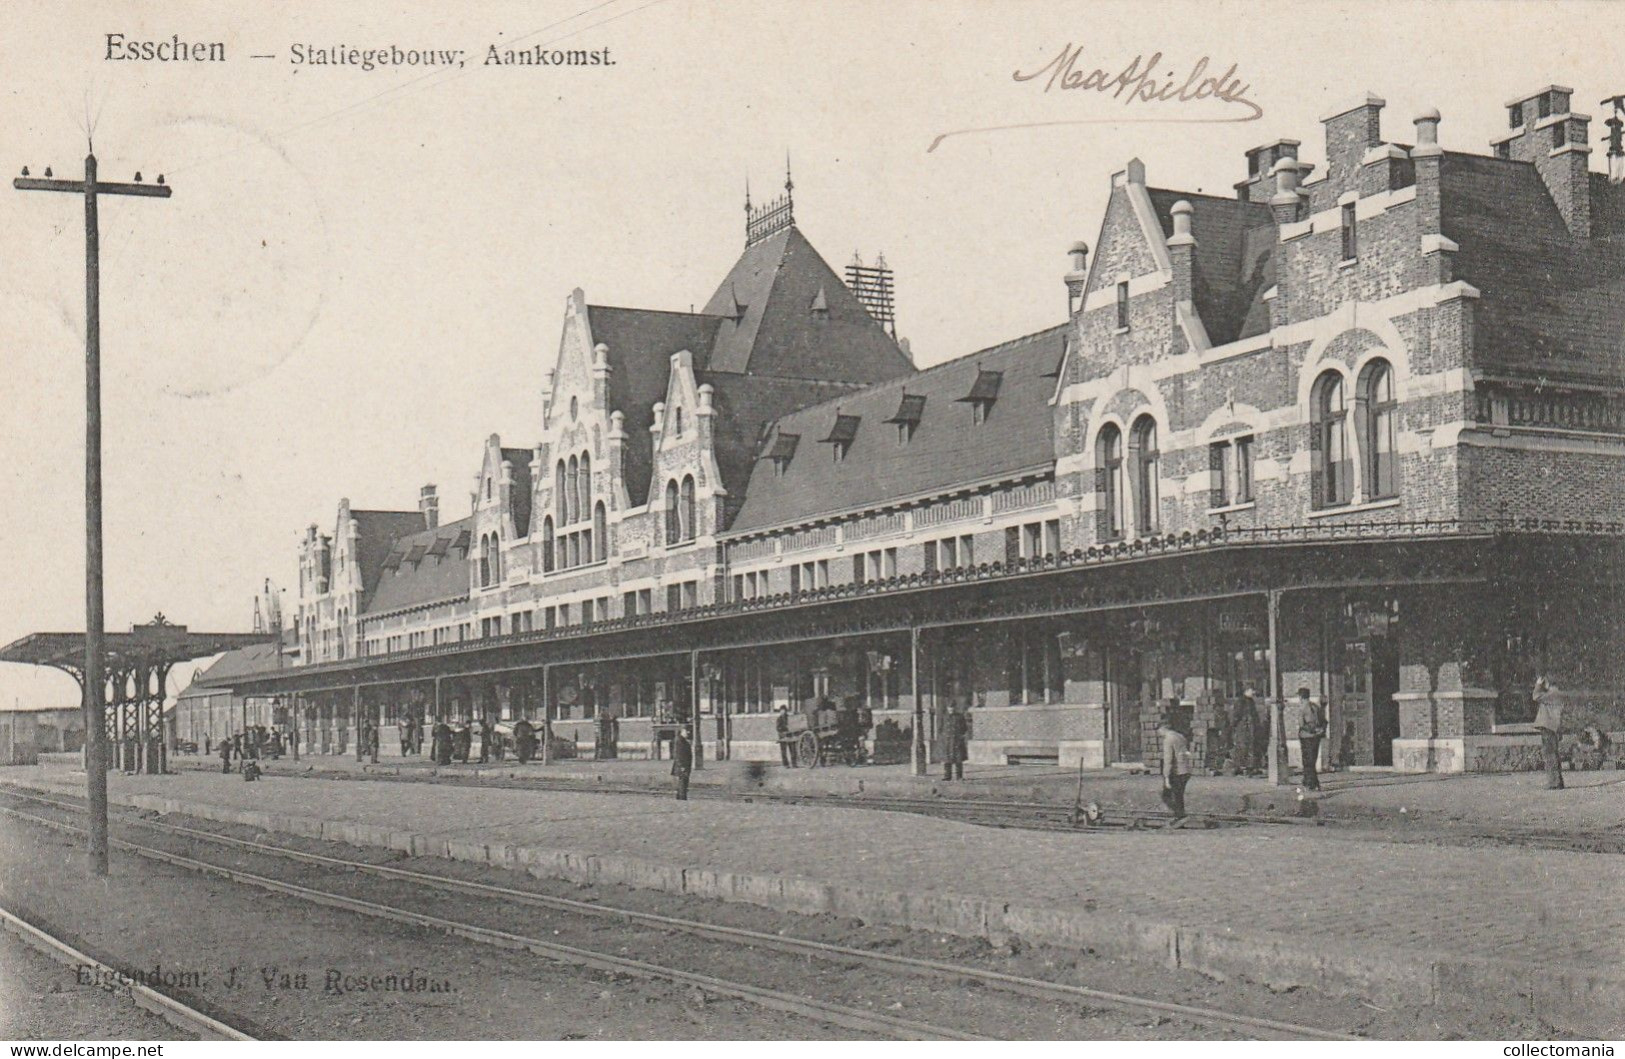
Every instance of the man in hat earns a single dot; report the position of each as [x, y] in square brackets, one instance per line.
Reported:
[682, 763]
[441, 746]
[1549, 723]
[1244, 731]
[781, 726]
[524, 740]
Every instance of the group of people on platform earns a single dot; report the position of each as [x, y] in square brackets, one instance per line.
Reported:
[252, 744]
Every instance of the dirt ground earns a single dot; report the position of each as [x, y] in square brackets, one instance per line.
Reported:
[41, 1000]
[503, 995]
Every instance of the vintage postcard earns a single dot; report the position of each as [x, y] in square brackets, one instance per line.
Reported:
[742, 520]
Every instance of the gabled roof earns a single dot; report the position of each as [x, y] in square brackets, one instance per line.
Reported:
[779, 283]
[376, 535]
[1549, 303]
[255, 658]
[1233, 264]
[440, 573]
[946, 450]
[641, 343]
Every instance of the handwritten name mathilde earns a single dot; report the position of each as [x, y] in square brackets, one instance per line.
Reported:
[1140, 82]
[121, 48]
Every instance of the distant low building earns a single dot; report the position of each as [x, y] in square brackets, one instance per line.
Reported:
[25, 734]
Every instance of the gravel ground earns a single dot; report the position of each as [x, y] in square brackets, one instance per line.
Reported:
[41, 1000]
[966, 1005]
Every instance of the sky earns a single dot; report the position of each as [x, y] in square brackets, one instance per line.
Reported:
[361, 274]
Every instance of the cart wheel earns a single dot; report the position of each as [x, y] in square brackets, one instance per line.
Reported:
[807, 750]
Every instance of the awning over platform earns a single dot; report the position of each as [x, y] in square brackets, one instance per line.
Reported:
[157, 643]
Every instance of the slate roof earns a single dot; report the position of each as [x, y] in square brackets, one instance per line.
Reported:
[947, 449]
[778, 283]
[781, 332]
[440, 573]
[641, 342]
[1233, 264]
[520, 458]
[255, 658]
[1549, 303]
[376, 535]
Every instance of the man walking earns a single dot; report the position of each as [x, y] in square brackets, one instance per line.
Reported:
[1311, 730]
[1243, 732]
[1176, 759]
[1549, 723]
[225, 755]
[682, 763]
[524, 740]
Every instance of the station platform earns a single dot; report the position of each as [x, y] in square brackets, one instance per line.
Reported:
[1593, 801]
[1290, 906]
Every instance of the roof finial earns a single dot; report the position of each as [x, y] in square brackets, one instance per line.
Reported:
[747, 193]
[789, 190]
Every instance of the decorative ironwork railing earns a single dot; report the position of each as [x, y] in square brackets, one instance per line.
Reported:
[1100, 555]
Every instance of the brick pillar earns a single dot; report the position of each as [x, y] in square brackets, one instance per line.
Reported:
[1446, 685]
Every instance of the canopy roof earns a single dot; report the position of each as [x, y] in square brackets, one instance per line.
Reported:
[154, 644]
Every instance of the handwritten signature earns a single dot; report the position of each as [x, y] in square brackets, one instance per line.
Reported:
[1135, 83]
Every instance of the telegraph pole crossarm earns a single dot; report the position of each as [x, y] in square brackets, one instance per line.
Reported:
[95, 688]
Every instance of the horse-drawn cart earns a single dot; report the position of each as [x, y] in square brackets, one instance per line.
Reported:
[826, 736]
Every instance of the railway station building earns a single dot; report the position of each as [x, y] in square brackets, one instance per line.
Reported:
[1359, 427]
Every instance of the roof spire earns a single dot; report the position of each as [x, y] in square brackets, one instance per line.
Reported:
[747, 194]
[770, 218]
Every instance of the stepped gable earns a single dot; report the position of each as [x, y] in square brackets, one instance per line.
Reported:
[1233, 264]
[775, 323]
[377, 533]
[641, 343]
[1548, 301]
[948, 448]
[439, 573]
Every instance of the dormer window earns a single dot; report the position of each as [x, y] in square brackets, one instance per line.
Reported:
[983, 392]
[820, 306]
[841, 435]
[910, 410]
[1122, 305]
[781, 450]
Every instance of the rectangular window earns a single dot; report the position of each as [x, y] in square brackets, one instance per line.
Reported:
[739, 586]
[823, 573]
[795, 579]
[691, 593]
[1544, 102]
[629, 604]
[1052, 537]
[587, 611]
[1558, 139]
[1242, 488]
[564, 613]
[674, 598]
[1515, 115]
[888, 563]
[1351, 244]
[859, 569]
[1032, 540]
[948, 553]
[1122, 305]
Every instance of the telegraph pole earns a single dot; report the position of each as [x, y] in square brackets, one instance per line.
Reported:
[95, 682]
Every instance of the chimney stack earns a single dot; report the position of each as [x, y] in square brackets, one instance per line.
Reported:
[1260, 184]
[1181, 246]
[1077, 278]
[429, 504]
[1351, 131]
[1546, 133]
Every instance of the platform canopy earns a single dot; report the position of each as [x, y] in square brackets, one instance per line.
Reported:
[157, 644]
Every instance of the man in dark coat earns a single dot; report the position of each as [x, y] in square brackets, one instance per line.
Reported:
[225, 755]
[488, 733]
[1549, 723]
[682, 763]
[524, 740]
[781, 727]
[442, 743]
[955, 744]
[462, 741]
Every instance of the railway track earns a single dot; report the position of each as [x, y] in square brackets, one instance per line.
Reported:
[172, 1009]
[846, 956]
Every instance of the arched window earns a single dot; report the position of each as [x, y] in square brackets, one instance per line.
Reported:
[674, 522]
[1333, 481]
[572, 497]
[1112, 510]
[600, 533]
[485, 561]
[1377, 402]
[584, 485]
[558, 491]
[547, 545]
[1143, 443]
[688, 508]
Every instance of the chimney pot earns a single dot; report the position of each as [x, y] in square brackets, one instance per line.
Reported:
[1080, 256]
[1181, 212]
[1427, 135]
